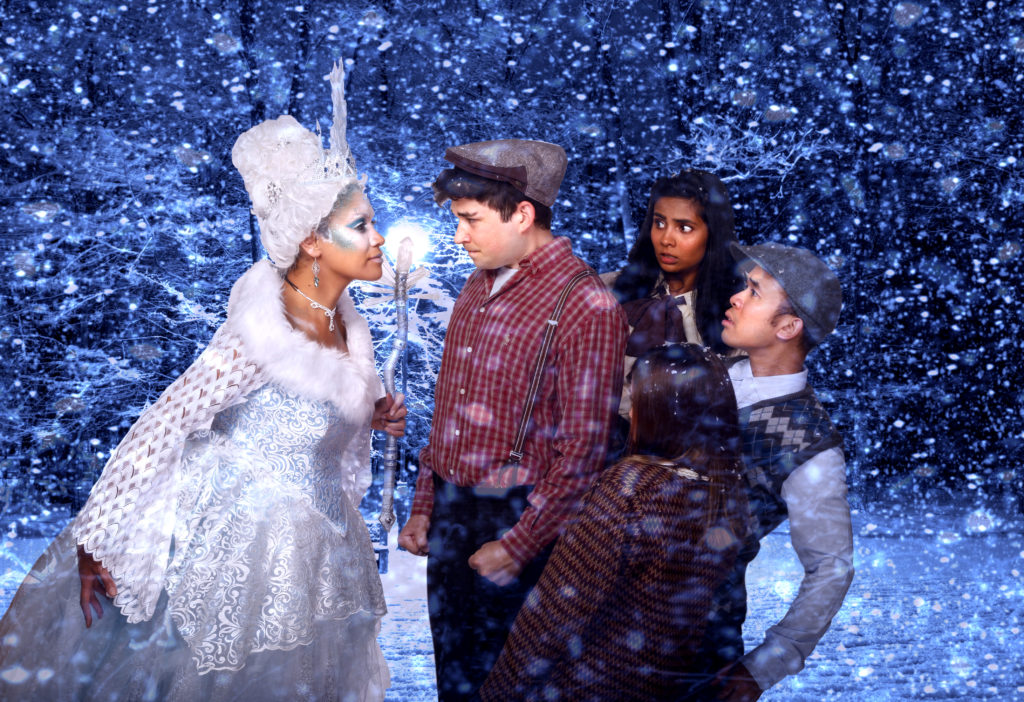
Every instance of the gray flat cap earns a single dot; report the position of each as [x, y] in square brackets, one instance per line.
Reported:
[534, 168]
[812, 287]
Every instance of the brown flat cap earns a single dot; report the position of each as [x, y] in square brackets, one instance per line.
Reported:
[535, 168]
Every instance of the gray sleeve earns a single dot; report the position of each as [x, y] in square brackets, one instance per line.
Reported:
[822, 536]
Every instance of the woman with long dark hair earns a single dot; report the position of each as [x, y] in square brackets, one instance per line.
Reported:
[679, 274]
[682, 251]
[621, 607]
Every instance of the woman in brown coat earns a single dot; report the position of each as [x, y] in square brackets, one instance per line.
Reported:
[622, 604]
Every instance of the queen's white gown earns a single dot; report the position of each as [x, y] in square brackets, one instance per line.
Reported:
[228, 519]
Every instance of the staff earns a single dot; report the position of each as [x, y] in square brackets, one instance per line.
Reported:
[403, 263]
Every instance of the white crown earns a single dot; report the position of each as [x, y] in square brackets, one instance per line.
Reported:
[292, 181]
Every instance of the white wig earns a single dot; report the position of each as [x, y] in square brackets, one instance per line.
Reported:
[292, 181]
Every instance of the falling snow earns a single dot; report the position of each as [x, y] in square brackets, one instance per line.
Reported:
[886, 136]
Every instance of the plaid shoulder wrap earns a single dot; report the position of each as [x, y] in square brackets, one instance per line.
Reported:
[778, 436]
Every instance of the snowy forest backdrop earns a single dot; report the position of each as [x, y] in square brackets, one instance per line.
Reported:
[886, 136]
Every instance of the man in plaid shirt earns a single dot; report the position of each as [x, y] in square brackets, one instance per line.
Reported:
[487, 529]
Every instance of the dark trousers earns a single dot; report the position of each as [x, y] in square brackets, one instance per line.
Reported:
[470, 617]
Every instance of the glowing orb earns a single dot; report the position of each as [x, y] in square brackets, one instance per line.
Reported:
[421, 245]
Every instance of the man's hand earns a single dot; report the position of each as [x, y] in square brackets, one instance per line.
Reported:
[493, 562]
[389, 414]
[95, 578]
[413, 537]
[735, 684]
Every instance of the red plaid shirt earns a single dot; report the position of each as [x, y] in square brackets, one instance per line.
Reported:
[489, 353]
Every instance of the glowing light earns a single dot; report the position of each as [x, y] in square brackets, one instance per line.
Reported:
[421, 245]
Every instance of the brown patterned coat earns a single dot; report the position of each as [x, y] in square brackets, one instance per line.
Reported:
[621, 607]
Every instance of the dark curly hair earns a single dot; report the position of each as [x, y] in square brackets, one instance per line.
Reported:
[717, 280]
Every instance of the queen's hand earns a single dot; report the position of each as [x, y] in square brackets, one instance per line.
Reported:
[389, 414]
[95, 579]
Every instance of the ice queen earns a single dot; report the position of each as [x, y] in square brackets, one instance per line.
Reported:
[225, 526]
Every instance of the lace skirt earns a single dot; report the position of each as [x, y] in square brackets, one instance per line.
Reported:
[268, 601]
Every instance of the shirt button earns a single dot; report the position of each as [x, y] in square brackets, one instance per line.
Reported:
[456, 432]
[480, 310]
[469, 349]
[462, 391]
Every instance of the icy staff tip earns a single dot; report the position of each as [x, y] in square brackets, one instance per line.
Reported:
[404, 260]
[420, 245]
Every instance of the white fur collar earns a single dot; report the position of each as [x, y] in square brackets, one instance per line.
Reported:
[294, 361]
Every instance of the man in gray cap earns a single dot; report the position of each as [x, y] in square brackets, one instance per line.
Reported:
[498, 478]
[794, 466]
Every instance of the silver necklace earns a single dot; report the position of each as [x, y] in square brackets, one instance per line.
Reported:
[328, 312]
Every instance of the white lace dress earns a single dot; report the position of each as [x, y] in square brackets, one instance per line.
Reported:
[228, 519]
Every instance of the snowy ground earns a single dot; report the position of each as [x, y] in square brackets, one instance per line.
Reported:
[935, 614]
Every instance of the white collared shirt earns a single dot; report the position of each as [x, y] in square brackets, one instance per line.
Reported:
[501, 276]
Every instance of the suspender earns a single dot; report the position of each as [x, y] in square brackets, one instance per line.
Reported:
[516, 454]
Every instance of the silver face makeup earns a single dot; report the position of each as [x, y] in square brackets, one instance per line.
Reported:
[347, 236]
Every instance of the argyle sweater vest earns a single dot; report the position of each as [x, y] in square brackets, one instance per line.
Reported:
[779, 435]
